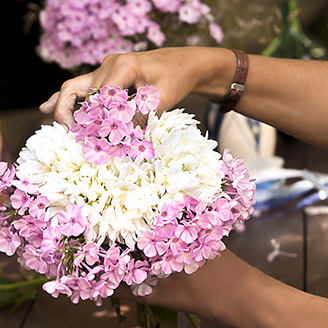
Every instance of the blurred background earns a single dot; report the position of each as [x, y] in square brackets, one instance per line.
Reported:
[278, 28]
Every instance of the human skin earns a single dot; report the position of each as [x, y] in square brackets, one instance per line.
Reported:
[287, 94]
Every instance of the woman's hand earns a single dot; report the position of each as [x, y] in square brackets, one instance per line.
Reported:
[231, 293]
[176, 72]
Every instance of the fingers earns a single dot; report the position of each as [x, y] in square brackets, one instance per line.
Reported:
[62, 103]
[50, 105]
[118, 70]
[72, 91]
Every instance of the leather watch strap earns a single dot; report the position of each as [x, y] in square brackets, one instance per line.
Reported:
[238, 84]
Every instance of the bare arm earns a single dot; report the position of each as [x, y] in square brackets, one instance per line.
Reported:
[287, 94]
[228, 291]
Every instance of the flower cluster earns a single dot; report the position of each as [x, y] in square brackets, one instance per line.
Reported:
[85, 31]
[105, 124]
[92, 218]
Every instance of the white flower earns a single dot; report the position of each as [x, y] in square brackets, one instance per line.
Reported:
[184, 159]
[122, 196]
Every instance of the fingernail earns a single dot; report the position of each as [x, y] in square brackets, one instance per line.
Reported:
[43, 104]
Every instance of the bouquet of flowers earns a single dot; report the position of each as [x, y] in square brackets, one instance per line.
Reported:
[79, 32]
[109, 202]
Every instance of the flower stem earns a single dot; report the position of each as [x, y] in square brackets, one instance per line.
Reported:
[23, 283]
[194, 320]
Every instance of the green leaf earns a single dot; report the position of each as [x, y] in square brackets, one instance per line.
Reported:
[168, 318]
[117, 306]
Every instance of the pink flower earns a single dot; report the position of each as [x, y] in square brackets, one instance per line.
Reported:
[96, 150]
[151, 244]
[187, 233]
[147, 99]
[33, 259]
[55, 288]
[166, 222]
[189, 13]
[137, 272]
[51, 239]
[223, 209]
[29, 225]
[216, 32]
[84, 288]
[139, 7]
[186, 256]
[7, 177]
[23, 184]
[73, 221]
[111, 93]
[9, 241]
[176, 245]
[82, 115]
[167, 5]
[114, 129]
[93, 128]
[123, 111]
[20, 200]
[143, 148]
[169, 264]
[38, 207]
[144, 288]
[115, 266]
[89, 253]
[3, 167]
[204, 251]
[155, 35]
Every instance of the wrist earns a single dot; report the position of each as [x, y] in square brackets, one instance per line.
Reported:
[215, 71]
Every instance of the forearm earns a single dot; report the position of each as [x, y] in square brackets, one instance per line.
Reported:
[231, 293]
[287, 94]
[256, 300]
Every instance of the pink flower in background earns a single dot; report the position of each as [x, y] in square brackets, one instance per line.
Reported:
[155, 34]
[216, 32]
[190, 13]
[139, 7]
[167, 5]
[84, 32]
